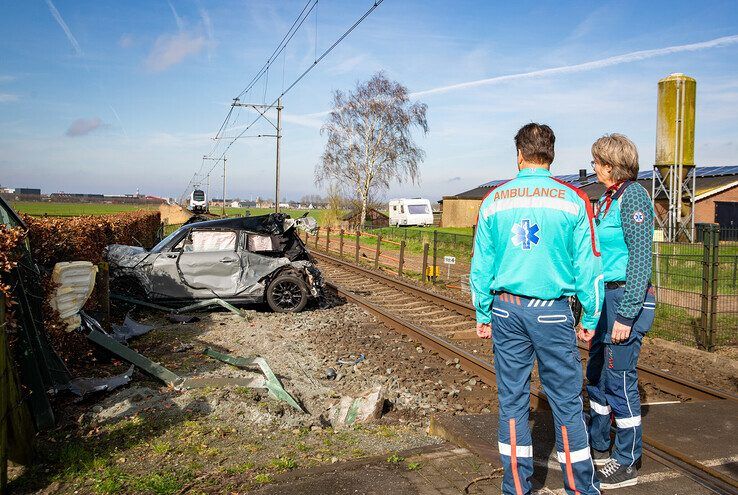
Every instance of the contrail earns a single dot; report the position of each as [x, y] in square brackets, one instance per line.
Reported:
[119, 121]
[64, 26]
[586, 66]
[177, 18]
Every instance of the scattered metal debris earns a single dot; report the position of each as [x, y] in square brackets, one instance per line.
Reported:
[84, 386]
[98, 336]
[330, 374]
[352, 360]
[138, 302]
[211, 302]
[271, 382]
[183, 347]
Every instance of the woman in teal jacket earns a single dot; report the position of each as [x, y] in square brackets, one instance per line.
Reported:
[624, 226]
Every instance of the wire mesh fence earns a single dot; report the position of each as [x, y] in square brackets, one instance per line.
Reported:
[696, 284]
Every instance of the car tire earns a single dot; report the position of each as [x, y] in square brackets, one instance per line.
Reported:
[287, 294]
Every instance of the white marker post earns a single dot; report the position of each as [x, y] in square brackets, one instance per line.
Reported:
[449, 260]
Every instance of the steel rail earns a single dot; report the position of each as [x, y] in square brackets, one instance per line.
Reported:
[671, 384]
[695, 470]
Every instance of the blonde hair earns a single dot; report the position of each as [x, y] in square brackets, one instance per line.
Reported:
[620, 153]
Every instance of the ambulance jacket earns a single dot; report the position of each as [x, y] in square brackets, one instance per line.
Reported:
[535, 237]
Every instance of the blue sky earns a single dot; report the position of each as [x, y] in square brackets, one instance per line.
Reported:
[108, 97]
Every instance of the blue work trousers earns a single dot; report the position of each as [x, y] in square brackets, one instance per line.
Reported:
[523, 329]
[612, 380]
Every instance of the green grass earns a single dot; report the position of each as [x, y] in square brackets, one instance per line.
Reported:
[40, 208]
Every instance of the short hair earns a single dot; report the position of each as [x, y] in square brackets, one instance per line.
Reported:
[536, 143]
[620, 153]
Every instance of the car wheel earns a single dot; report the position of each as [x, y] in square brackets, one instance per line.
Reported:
[287, 294]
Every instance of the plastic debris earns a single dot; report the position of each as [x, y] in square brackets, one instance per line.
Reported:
[84, 386]
[74, 281]
[271, 382]
[129, 329]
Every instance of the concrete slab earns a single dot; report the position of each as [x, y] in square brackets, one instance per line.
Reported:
[478, 433]
[707, 431]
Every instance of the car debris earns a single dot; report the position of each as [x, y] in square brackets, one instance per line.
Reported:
[271, 382]
[75, 281]
[233, 260]
[353, 360]
[129, 329]
[82, 387]
[97, 335]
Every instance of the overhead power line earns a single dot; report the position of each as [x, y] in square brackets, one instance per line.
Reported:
[366, 14]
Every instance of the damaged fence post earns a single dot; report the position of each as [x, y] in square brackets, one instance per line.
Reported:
[376, 253]
[423, 274]
[402, 258]
[340, 248]
[358, 236]
[328, 239]
[103, 292]
[317, 236]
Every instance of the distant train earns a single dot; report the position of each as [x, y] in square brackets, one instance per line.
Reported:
[198, 201]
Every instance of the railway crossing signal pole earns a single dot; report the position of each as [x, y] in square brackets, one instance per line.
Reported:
[278, 127]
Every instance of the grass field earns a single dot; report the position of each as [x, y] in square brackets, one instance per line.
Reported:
[40, 208]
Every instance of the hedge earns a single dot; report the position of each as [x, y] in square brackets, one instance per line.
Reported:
[55, 239]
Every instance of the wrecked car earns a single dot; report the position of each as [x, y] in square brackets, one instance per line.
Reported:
[240, 260]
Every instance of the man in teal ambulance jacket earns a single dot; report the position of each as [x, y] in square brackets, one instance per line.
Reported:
[535, 246]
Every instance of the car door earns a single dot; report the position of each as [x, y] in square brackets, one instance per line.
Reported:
[211, 266]
[202, 264]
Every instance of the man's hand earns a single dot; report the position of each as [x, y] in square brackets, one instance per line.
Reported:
[585, 335]
[484, 330]
[620, 333]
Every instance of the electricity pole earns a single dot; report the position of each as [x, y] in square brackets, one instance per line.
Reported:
[262, 109]
[279, 136]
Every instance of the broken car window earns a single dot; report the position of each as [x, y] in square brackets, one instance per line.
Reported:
[260, 243]
[201, 241]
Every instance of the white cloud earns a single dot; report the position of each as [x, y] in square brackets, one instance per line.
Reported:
[63, 25]
[82, 126]
[7, 79]
[170, 50]
[177, 18]
[8, 97]
[586, 66]
[126, 41]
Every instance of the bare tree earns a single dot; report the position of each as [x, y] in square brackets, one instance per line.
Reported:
[369, 139]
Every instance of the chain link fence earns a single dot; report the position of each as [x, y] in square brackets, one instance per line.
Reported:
[696, 283]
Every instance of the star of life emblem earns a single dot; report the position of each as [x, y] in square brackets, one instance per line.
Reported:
[638, 217]
[524, 234]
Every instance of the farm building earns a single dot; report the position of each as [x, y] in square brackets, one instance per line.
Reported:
[716, 200]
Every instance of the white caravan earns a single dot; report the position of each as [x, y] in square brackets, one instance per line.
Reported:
[405, 212]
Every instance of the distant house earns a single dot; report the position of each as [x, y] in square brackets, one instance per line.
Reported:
[374, 219]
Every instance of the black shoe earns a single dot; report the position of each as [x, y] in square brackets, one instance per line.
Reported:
[616, 476]
[600, 458]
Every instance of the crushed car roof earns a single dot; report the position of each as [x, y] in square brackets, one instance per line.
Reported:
[273, 223]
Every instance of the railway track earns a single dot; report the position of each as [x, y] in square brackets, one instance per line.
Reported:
[441, 323]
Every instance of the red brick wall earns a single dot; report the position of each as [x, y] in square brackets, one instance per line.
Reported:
[706, 208]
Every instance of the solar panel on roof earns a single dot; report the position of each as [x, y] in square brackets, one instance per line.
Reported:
[701, 171]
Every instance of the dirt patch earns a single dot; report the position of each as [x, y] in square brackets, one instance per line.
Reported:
[148, 439]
